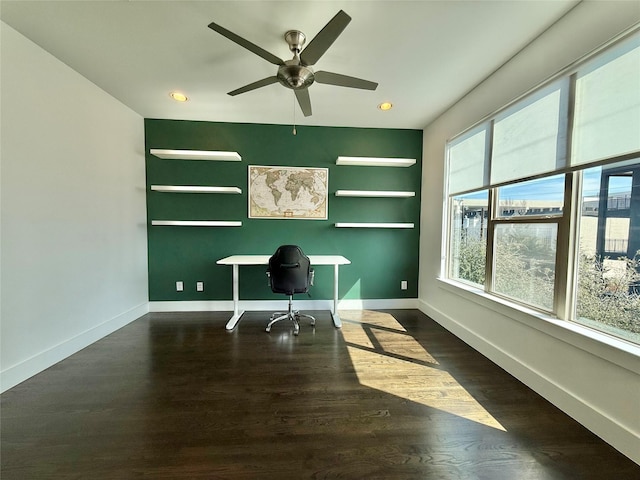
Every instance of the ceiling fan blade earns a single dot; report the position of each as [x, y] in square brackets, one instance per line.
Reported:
[304, 101]
[344, 80]
[324, 39]
[252, 47]
[252, 86]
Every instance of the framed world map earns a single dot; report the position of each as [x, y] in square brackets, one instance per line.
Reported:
[288, 192]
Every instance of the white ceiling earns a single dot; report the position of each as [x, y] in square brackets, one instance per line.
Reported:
[425, 55]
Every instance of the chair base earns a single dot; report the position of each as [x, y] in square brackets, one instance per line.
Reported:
[293, 315]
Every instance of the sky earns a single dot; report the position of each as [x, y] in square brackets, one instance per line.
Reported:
[552, 188]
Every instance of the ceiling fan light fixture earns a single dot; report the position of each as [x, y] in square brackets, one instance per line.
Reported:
[385, 106]
[179, 97]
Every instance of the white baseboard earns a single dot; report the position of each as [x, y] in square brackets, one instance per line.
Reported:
[20, 372]
[269, 305]
[607, 428]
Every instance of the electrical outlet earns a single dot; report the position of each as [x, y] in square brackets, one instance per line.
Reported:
[200, 286]
[179, 286]
[403, 285]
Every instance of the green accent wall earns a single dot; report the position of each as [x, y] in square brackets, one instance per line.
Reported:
[380, 258]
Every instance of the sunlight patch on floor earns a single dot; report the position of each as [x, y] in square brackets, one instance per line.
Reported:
[389, 359]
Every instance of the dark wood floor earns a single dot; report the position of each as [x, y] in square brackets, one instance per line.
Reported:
[390, 396]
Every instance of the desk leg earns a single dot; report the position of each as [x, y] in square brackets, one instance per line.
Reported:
[334, 313]
[233, 321]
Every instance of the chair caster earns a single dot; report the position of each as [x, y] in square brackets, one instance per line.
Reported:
[312, 319]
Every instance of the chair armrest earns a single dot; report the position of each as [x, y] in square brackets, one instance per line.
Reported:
[312, 275]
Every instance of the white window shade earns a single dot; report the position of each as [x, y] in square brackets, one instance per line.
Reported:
[468, 160]
[529, 138]
[607, 111]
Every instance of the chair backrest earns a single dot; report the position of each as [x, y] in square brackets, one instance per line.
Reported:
[289, 270]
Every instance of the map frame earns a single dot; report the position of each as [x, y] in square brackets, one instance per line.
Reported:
[321, 212]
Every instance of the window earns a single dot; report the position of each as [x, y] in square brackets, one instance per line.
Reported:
[524, 263]
[530, 137]
[536, 197]
[607, 105]
[468, 161]
[469, 237]
[608, 287]
[544, 197]
[525, 236]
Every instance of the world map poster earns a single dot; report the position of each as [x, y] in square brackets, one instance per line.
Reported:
[288, 192]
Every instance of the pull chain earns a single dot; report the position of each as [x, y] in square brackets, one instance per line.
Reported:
[294, 113]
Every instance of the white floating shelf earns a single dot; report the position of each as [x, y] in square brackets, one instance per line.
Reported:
[373, 193]
[374, 225]
[194, 189]
[195, 155]
[194, 223]
[376, 162]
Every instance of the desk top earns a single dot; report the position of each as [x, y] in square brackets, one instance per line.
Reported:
[264, 260]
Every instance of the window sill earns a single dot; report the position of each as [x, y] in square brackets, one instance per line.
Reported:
[611, 349]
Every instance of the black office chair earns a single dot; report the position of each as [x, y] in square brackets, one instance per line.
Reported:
[290, 272]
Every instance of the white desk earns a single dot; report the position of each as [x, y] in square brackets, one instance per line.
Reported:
[236, 260]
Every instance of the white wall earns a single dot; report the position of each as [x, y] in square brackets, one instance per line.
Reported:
[73, 230]
[596, 383]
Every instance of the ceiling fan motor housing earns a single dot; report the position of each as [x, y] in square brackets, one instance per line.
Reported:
[295, 76]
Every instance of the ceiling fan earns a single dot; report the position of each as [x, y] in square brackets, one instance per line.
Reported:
[297, 73]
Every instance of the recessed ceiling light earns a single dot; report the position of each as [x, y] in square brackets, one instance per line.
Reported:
[384, 106]
[178, 97]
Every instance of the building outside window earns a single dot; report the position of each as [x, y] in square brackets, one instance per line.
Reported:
[544, 196]
[608, 286]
